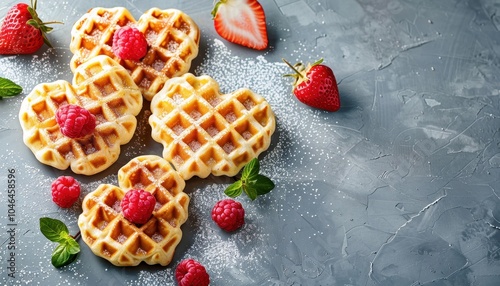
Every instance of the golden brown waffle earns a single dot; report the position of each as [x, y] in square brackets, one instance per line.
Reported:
[111, 236]
[104, 88]
[172, 37]
[204, 132]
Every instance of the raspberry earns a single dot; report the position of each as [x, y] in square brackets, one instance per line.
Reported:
[191, 272]
[129, 44]
[75, 121]
[65, 191]
[228, 214]
[137, 206]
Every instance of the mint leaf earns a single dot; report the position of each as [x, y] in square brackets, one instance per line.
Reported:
[8, 88]
[64, 254]
[53, 229]
[234, 190]
[250, 191]
[263, 185]
[251, 183]
[251, 169]
[72, 246]
[56, 231]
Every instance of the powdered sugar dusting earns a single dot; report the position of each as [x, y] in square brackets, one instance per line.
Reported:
[117, 207]
[228, 147]
[178, 98]
[173, 46]
[121, 238]
[246, 135]
[195, 114]
[248, 104]
[177, 129]
[230, 117]
[157, 237]
[237, 256]
[243, 256]
[194, 145]
[212, 131]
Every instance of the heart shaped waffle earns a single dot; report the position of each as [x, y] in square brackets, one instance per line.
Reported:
[172, 36]
[205, 132]
[104, 88]
[111, 236]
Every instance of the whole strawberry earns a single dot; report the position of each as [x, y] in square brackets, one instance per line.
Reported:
[22, 32]
[315, 85]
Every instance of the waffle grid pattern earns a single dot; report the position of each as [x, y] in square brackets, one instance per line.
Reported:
[111, 236]
[172, 36]
[104, 88]
[204, 132]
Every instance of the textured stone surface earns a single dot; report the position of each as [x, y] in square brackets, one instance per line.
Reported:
[400, 187]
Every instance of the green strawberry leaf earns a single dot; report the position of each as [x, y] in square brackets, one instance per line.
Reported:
[64, 254]
[234, 190]
[53, 229]
[318, 62]
[8, 88]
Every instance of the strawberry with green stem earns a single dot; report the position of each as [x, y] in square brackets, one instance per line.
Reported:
[22, 31]
[242, 22]
[315, 85]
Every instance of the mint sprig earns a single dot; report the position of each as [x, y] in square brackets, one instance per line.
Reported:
[251, 183]
[9, 88]
[56, 231]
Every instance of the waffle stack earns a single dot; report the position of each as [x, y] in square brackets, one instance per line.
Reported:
[205, 132]
[172, 36]
[111, 236]
[104, 88]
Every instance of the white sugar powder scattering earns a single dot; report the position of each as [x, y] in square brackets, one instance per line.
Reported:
[247, 135]
[121, 238]
[194, 145]
[195, 114]
[258, 74]
[139, 144]
[178, 129]
[231, 117]
[237, 256]
[228, 147]
[267, 79]
[177, 98]
[243, 256]
[117, 206]
[47, 67]
[173, 46]
[212, 131]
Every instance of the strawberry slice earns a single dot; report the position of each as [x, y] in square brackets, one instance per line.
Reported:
[242, 22]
